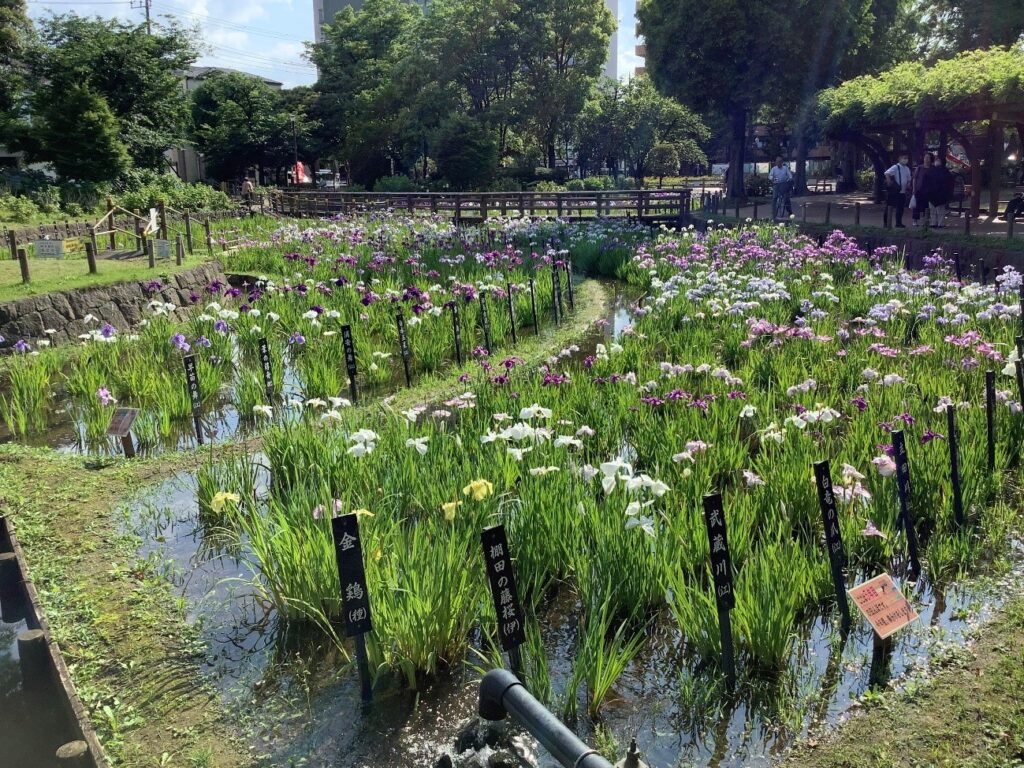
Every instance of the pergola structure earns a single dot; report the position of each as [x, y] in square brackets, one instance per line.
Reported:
[971, 99]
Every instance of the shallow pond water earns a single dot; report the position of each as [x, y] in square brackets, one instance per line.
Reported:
[666, 700]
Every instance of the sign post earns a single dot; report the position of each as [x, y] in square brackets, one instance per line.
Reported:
[268, 371]
[457, 332]
[161, 248]
[533, 307]
[121, 426]
[49, 249]
[194, 395]
[721, 573]
[511, 312]
[1019, 367]
[355, 595]
[485, 321]
[833, 537]
[403, 344]
[954, 466]
[350, 359]
[885, 608]
[568, 284]
[903, 490]
[511, 620]
[556, 294]
[990, 418]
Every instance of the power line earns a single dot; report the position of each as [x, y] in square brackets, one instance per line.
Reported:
[235, 25]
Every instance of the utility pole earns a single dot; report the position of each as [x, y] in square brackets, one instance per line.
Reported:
[148, 6]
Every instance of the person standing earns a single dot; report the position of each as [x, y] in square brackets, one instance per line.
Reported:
[919, 196]
[781, 179]
[247, 191]
[898, 185]
[938, 185]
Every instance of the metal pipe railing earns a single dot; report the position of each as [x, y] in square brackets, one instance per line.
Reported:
[501, 694]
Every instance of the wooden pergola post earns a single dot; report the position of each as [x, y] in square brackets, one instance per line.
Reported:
[995, 164]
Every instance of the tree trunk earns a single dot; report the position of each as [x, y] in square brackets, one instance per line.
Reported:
[551, 154]
[847, 152]
[995, 165]
[800, 177]
[737, 144]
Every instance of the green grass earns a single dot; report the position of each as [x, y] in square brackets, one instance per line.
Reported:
[970, 715]
[50, 275]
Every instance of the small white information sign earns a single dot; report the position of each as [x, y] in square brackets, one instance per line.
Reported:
[50, 249]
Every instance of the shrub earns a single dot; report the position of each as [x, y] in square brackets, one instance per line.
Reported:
[865, 181]
[46, 197]
[757, 186]
[398, 183]
[17, 208]
[595, 183]
[144, 190]
[575, 185]
[505, 184]
[548, 186]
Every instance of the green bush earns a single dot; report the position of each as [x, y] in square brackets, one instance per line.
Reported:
[505, 184]
[757, 186]
[46, 197]
[143, 190]
[74, 210]
[596, 183]
[548, 186]
[16, 208]
[394, 184]
[467, 155]
[866, 181]
[575, 185]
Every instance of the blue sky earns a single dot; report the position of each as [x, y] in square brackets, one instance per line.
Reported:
[264, 37]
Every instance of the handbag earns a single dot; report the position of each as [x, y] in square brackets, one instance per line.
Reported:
[913, 202]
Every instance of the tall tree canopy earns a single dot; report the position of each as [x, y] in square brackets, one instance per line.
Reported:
[732, 57]
[961, 25]
[239, 122]
[15, 35]
[136, 74]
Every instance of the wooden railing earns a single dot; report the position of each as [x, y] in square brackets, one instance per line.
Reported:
[648, 205]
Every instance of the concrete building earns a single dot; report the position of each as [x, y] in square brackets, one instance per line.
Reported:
[185, 161]
[324, 12]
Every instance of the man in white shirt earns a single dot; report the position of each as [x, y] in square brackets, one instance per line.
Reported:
[898, 179]
[782, 184]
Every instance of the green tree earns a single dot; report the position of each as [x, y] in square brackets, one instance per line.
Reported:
[664, 161]
[467, 155]
[15, 35]
[566, 43]
[361, 106]
[136, 74]
[963, 25]
[78, 133]
[239, 122]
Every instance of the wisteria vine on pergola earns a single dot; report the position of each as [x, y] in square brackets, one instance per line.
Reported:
[970, 97]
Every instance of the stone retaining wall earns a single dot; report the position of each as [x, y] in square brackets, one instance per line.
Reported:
[122, 305]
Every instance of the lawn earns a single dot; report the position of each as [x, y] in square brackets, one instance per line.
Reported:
[67, 274]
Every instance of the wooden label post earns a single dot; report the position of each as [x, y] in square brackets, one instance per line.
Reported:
[485, 321]
[121, 426]
[533, 307]
[500, 576]
[954, 465]
[350, 359]
[721, 574]
[355, 593]
[403, 345]
[192, 378]
[511, 312]
[457, 332]
[833, 537]
[906, 498]
[266, 366]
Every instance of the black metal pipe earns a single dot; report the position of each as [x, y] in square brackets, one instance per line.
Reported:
[501, 694]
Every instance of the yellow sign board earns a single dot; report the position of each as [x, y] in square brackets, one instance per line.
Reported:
[883, 605]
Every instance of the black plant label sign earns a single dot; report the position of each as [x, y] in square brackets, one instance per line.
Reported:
[485, 320]
[403, 336]
[906, 497]
[829, 515]
[498, 563]
[721, 565]
[266, 367]
[355, 596]
[192, 377]
[457, 330]
[350, 351]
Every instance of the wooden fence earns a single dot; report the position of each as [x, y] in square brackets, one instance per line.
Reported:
[667, 206]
